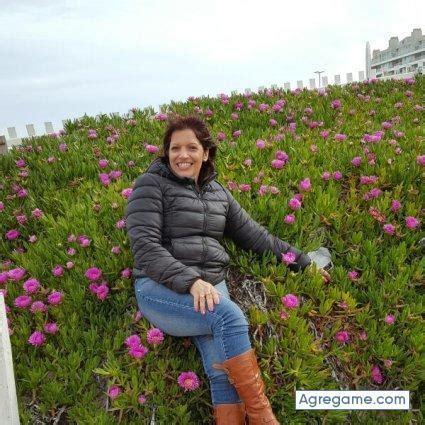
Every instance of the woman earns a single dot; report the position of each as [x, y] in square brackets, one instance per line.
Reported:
[176, 218]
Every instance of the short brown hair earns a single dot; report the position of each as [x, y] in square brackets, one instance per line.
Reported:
[199, 127]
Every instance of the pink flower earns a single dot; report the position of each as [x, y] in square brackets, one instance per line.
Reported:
[31, 286]
[294, 204]
[155, 336]
[131, 163]
[32, 238]
[103, 163]
[324, 134]
[151, 148]
[277, 164]
[221, 136]
[71, 251]
[288, 258]
[38, 306]
[93, 273]
[363, 336]
[290, 301]
[116, 250]
[248, 162]
[386, 125]
[12, 234]
[377, 377]
[244, 187]
[137, 351]
[102, 291]
[120, 224]
[125, 193]
[231, 185]
[388, 363]
[261, 144]
[395, 205]
[337, 175]
[389, 229]
[389, 319]
[57, 271]
[55, 298]
[1, 206]
[16, 274]
[237, 133]
[282, 156]
[420, 160]
[37, 213]
[21, 219]
[189, 381]
[3, 277]
[92, 134]
[342, 337]
[114, 392]
[336, 104]
[20, 163]
[51, 328]
[141, 399]
[71, 238]
[356, 161]
[284, 315]
[326, 175]
[126, 273]
[37, 338]
[272, 122]
[412, 222]
[289, 219]
[23, 301]
[132, 340]
[353, 275]
[305, 185]
[69, 265]
[274, 190]
[234, 116]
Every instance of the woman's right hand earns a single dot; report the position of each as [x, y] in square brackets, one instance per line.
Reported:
[204, 294]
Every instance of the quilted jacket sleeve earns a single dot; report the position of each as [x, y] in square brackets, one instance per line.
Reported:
[250, 235]
[144, 226]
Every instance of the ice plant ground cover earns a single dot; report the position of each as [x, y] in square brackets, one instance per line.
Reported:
[342, 167]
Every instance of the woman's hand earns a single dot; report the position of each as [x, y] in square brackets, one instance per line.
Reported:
[204, 294]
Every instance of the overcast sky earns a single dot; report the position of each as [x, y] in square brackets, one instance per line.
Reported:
[63, 58]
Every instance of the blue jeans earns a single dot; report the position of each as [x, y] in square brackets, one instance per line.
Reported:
[218, 335]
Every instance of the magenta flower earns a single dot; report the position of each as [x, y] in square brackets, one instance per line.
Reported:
[389, 319]
[353, 275]
[395, 205]
[277, 164]
[21, 219]
[342, 337]
[231, 185]
[234, 116]
[125, 193]
[132, 340]
[114, 392]
[356, 161]
[126, 273]
[389, 229]
[221, 136]
[20, 163]
[12, 234]
[23, 301]
[294, 204]
[120, 224]
[3, 277]
[284, 315]
[289, 219]
[326, 175]
[103, 163]
[261, 144]
[51, 328]
[71, 238]
[131, 163]
[101, 291]
[31, 286]
[141, 399]
[324, 134]
[57, 271]
[244, 187]
[32, 238]
[336, 104]
[412, 222]
[116, 250]
[189, 381]
[137, 351]
[92, 134]
[337, 175]
[37, 213]
[16, 274]
[93, 274]
[55, 298]
[305, 185]
[290, 301]
[288, 258]
[248, 162]
[37, 338]
[1, 206]
[237, 133]
[377, 377]
[420, 160]
[272, 122]
[155, 336]
[38, 306]
[71, 251]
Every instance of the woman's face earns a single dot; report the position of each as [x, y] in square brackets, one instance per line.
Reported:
[186, 154]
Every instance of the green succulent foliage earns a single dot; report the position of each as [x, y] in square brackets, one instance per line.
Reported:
[69, 376]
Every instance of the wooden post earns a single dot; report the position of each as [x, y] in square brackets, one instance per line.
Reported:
[3, 145]
[8, 401]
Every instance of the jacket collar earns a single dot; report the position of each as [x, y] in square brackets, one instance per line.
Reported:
[159, 166]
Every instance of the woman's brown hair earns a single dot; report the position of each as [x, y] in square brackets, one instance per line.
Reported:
[202, 133]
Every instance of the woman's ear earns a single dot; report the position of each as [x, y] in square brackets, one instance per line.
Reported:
[206, 154]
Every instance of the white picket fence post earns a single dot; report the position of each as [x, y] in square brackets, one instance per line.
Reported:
[8, 401]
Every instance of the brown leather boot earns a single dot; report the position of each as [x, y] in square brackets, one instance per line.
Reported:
[229, 414]
[245, 376]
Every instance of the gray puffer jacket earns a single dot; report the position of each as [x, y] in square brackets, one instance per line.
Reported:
[175, 229]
